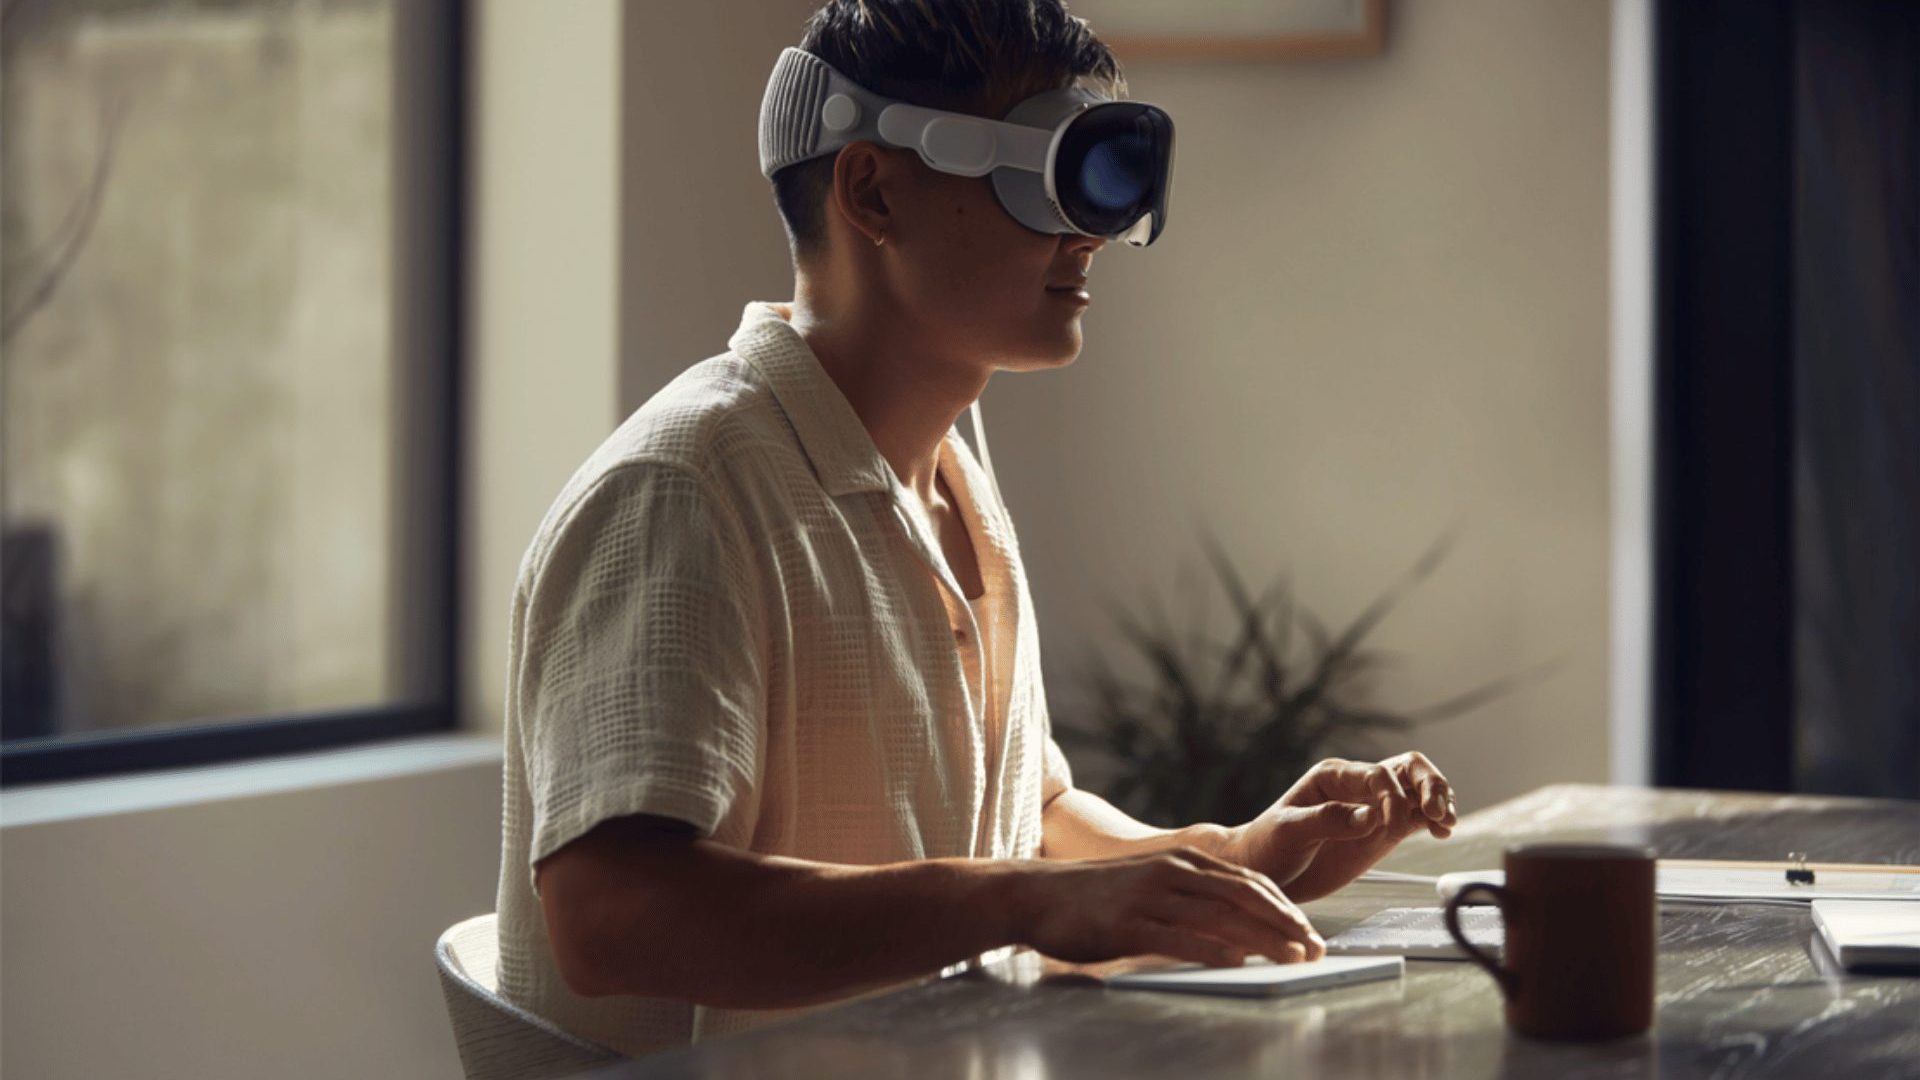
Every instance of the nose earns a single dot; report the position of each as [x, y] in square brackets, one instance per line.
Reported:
[1078, 242]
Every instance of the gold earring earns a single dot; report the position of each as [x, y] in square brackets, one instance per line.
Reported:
[881, 239]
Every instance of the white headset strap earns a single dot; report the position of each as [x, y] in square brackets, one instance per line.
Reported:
[957, 143]
[986, 458]
[811, 109]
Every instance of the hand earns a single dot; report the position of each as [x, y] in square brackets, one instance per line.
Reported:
[1341, 818]
[1182, 903]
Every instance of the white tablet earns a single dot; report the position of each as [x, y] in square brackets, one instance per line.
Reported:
[1263, 978]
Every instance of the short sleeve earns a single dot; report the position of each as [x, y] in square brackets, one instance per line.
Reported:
[1056, 777]
[643, 688]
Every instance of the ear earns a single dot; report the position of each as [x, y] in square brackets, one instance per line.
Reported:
[862, 177]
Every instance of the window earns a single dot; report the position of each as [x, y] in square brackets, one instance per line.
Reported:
[227, 399]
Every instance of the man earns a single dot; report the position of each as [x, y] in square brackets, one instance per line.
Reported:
[776, 734]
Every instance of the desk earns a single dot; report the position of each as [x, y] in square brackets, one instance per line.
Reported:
[1740, 992]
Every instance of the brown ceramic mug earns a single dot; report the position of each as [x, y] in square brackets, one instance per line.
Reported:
[1580, 922]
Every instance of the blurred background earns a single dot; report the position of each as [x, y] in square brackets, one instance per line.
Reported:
[311, 306]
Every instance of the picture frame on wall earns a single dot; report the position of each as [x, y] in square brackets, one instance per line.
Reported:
[1237, 29]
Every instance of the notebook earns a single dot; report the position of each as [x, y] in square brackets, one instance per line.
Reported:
[1870, 933]
[1263, 978]
[1701, 880]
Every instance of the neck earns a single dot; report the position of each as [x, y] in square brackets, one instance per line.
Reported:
[906, 393]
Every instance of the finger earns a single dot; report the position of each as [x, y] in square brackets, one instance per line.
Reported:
[1427, 789]
[1337, 780]
[1294, 954]
[1264, 902]
[1207, 861]
[1236, 926]
[1213, 863]
[1159, 938]
[1385, 785]
[1439, 831]
[1334, 780]
[1330, 821]
[1426, 780]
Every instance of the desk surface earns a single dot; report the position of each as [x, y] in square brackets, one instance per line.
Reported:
[1741, 991]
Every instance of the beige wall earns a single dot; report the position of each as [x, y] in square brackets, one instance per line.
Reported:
[284, 933]
[700, 235]
[543, 311]
[1379, 311]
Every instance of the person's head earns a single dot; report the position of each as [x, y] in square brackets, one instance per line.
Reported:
[873, 225]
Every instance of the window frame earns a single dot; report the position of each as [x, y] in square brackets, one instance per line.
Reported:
[429, 135]
[1723, 612]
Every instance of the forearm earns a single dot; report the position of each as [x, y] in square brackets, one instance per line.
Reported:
[748, 931]
[1078, 824]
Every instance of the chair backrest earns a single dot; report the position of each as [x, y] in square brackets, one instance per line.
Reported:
[497, 1039]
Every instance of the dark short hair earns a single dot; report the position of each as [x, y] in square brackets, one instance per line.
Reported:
[979, 57]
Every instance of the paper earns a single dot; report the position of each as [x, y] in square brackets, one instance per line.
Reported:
[1419, 933]
[1743, 883]
[1870, 933]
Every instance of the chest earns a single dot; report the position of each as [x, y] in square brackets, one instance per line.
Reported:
[958, 546]
[887, 704]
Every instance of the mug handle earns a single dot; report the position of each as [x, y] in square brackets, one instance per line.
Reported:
[1479, 956]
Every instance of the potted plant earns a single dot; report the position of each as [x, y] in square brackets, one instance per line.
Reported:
[1224, 727]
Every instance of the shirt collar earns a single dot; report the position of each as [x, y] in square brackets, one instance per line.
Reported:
[841, 449]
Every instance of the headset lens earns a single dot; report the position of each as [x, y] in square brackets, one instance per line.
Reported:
[1113, 166]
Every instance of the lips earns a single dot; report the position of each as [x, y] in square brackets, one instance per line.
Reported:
[1070, 285]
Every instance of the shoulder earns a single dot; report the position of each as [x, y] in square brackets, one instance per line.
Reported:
[711, 419]
[706, 439]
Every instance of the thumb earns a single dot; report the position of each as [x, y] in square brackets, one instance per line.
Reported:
[1333, 821]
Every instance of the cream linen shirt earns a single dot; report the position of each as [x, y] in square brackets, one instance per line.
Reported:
[736, 615]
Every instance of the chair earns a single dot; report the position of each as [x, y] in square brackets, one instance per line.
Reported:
[497, 1039]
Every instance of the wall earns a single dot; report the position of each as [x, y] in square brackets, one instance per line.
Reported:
[543, 312]
[284, 931]
[228, 930]
[1380, 312]
[700, 234]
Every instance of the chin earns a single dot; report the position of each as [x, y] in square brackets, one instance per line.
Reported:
[1045, 359]
[1070, 352]
[1040, 346]
[1061, 348]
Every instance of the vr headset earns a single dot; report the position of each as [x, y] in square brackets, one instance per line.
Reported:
[1062, 161]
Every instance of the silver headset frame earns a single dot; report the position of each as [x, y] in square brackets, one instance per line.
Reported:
[810, 109]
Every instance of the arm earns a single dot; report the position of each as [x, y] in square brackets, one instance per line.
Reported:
[1077, 824]
[746, 931]
[640, 906]
[1335, 822]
